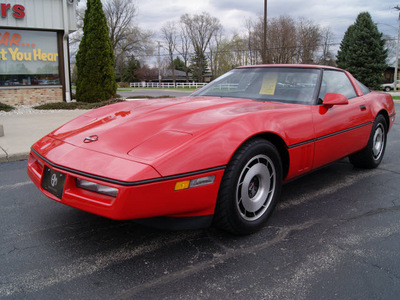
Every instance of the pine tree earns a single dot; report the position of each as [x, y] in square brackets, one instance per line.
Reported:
[199, 66]
[130, 69]
[95, 59]
[362, 51]
[179, 64]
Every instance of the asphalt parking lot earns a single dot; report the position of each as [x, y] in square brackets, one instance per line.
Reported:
[334, 235]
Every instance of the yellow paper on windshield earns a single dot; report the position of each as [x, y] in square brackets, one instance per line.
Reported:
[269, 84]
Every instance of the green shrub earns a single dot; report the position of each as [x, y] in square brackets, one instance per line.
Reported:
[148, 97]
[124, 84]
[76, 105]
[5, 107]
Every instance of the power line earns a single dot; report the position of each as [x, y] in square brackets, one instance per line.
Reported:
[258, 49]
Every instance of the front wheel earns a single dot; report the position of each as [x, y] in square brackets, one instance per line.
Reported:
[250, 188]
[371, 156]
[387, 89]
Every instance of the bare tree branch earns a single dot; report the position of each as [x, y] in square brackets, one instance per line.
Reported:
[169, 33]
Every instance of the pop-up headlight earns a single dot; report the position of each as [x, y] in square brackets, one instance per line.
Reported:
[97, 188]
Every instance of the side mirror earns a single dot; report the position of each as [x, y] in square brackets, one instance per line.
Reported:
[332, 99]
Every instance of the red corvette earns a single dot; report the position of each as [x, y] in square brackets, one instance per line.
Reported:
[219, 155]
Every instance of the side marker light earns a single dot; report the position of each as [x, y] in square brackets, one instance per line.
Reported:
[182, 185]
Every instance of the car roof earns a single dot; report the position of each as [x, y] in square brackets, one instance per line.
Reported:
[291, 66]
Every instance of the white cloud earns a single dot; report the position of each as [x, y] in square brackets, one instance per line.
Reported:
[336, 14]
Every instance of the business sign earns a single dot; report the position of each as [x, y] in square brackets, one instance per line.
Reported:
[28, 52]
[16, 10]
[38, 14]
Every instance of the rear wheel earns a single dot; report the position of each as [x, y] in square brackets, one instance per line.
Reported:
[250, 188]
[371, 156]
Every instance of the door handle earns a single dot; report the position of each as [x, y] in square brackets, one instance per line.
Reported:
[363, 107]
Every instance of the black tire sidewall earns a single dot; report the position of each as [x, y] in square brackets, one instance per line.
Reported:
[365, 158]
[227, 195]
[379, 120]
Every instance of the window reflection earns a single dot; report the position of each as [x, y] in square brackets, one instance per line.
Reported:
[28, 58]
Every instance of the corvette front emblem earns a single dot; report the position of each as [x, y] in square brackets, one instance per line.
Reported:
[92, 138]
[53, 180]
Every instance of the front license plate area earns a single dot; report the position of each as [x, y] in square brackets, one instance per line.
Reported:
[53, 182]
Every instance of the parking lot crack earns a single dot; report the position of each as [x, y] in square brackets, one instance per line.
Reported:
[11, 251]
[388, 272]
[390, 171]
[373, 212]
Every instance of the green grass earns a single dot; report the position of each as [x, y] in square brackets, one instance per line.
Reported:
[5, 107]
[396, 97]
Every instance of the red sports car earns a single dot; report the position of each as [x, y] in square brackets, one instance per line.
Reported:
[218, 156]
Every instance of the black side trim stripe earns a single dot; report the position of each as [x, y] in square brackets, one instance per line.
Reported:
[328, 135]
[392, 115]
[125, 183]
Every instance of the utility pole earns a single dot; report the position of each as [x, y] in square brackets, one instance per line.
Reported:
[264, 46]
[158, 61]
[397, 53]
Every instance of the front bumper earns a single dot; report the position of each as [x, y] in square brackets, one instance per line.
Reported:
[135, 200]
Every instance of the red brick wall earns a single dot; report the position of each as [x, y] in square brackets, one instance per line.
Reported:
[30, 96]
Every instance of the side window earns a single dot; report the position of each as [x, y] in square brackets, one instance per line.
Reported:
[363, 88]
[336, 82]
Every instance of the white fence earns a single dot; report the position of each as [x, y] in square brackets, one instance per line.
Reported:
[166, 85]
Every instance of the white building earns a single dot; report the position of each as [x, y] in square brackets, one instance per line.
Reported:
[34, 58]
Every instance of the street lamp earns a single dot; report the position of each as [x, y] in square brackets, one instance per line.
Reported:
[158, 62]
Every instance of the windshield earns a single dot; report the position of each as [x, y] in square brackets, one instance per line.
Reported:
[281, 84]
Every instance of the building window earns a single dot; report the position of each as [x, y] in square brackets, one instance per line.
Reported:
[28, 58]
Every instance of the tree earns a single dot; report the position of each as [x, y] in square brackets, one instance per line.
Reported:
[126, 37]
[251, 41]
[129, 73]
[198, 66]
[95, 59]
[146, 74]
[327, 57]
[228, 54]
[184, 49]
[179, 64]
[281, 40]
[169, 34]
[200, 28]
[362, 51]
[288, 41]
[308, 41]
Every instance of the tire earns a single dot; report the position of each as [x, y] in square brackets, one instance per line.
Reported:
[371, 156]
[250, 188]
[387, 89]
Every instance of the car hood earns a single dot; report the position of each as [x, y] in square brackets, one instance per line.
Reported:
[146, 130]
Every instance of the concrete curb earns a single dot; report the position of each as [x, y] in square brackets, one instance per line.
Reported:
[22, 130]
[13, 157]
